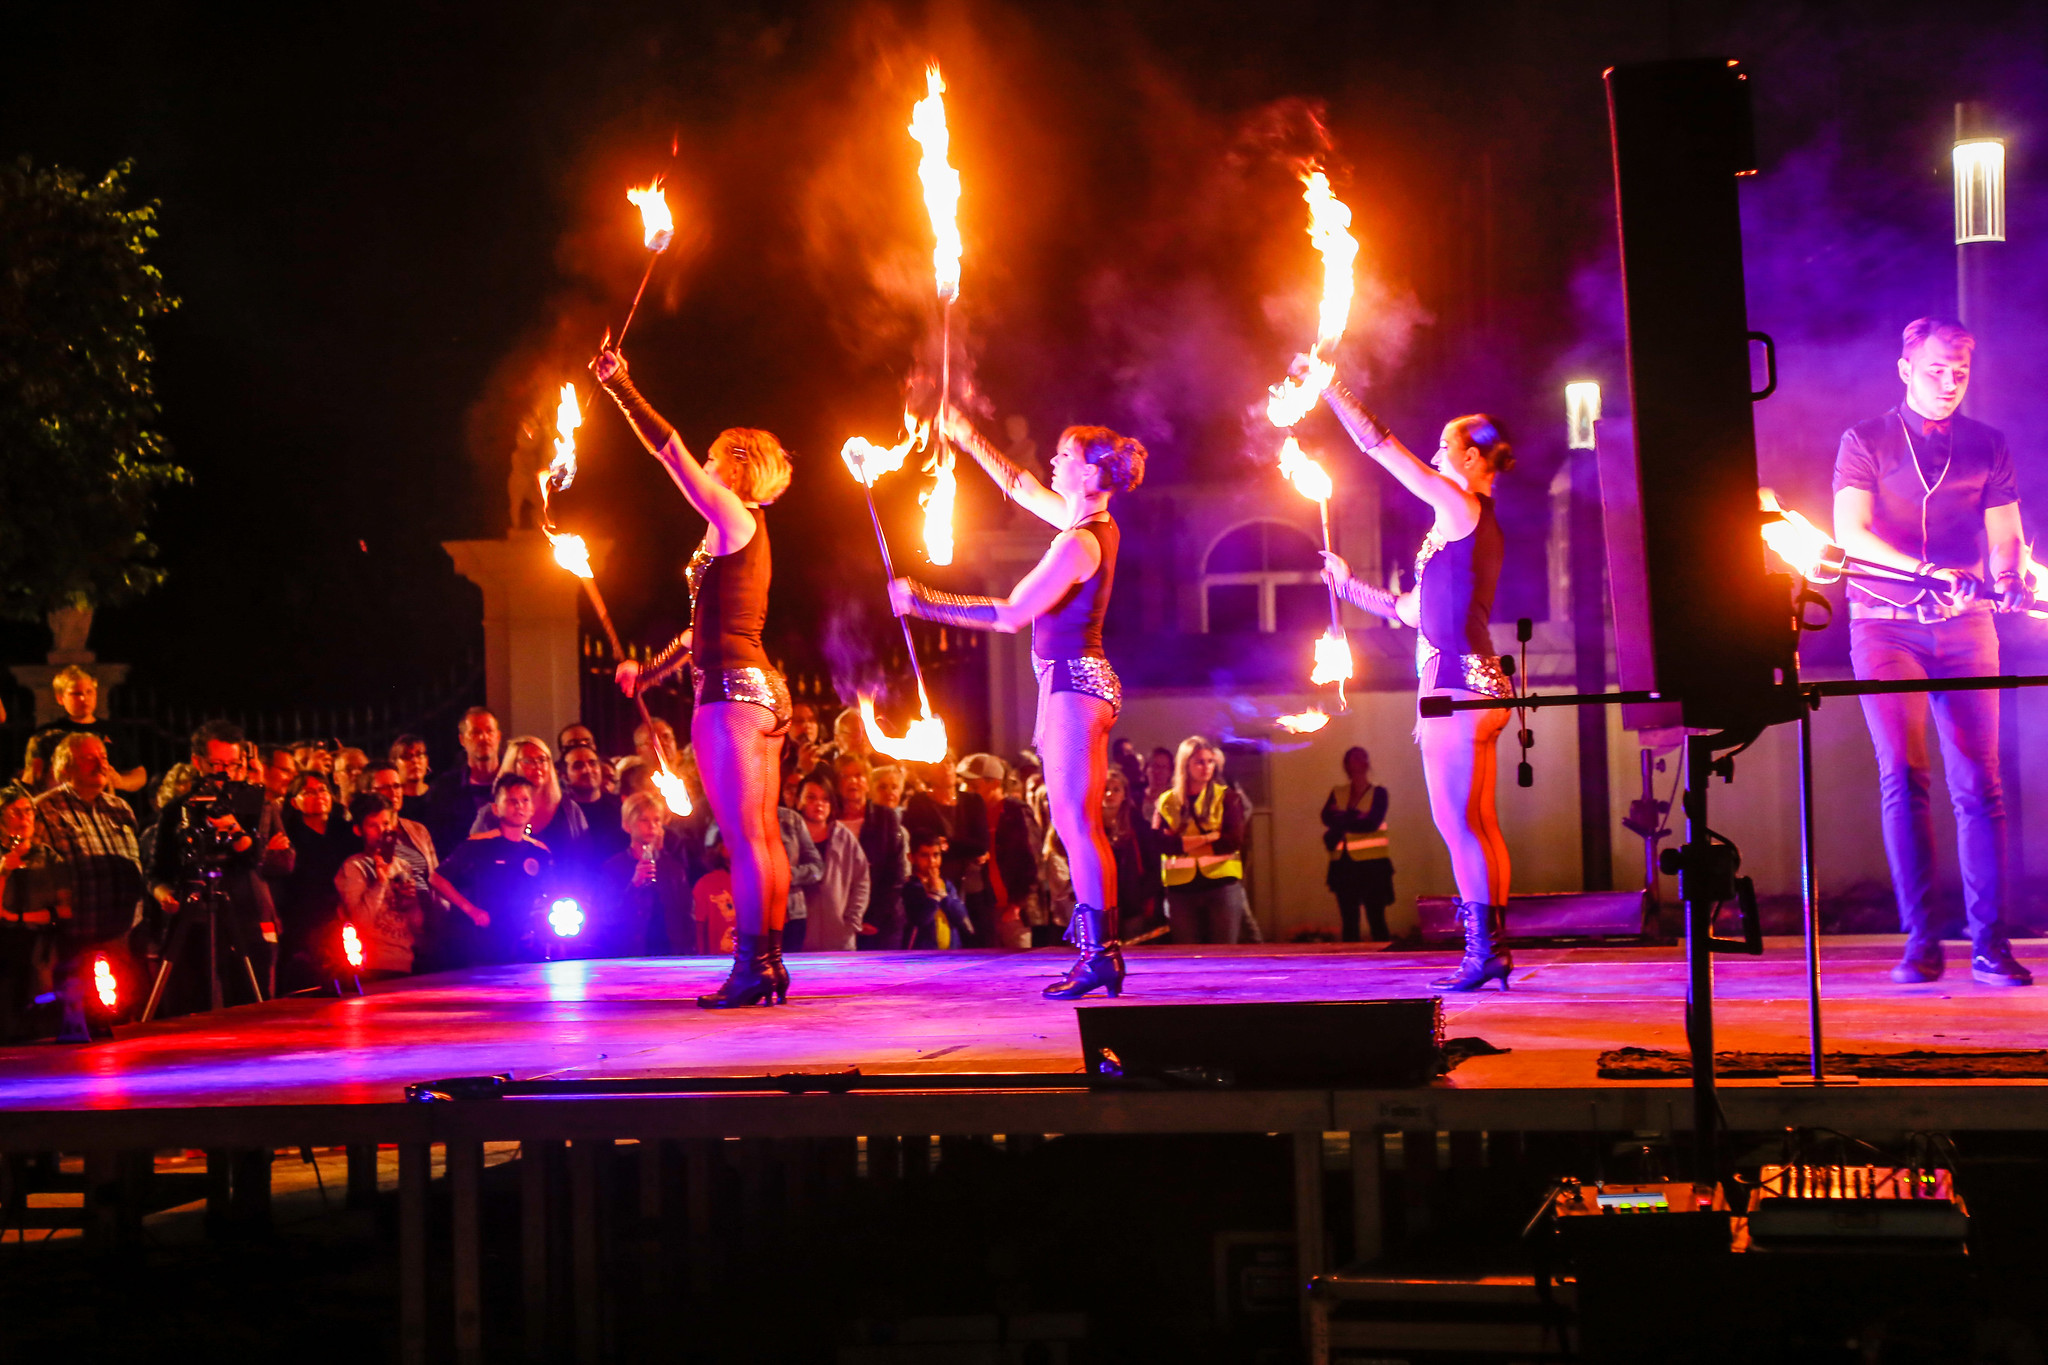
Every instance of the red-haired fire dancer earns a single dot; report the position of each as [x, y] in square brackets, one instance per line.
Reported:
[1456, 571]
[742, 705]
[1063, 599]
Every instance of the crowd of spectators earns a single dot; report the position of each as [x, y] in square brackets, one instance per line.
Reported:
[241, 865]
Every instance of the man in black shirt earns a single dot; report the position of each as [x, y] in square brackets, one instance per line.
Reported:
[504, 873]
[457, 795]
[583, 783]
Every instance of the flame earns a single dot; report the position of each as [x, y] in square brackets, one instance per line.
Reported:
[937, 502]
[568, 417]
[1810, 551]
[673, 789]
[656, 227]
[923, 742]
[103, 983]
[869, 462]
[571, 553]
[1310, 479]
[1329, 228]
[1303, 722]
[2032, 572]
[1333, 659]
[351, 945]
[941, 182]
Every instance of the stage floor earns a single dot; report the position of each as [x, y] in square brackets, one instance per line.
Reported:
[981, 1012]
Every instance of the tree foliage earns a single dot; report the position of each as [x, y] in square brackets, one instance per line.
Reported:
[81, 462]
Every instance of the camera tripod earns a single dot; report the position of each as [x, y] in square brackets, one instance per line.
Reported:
[207, 901]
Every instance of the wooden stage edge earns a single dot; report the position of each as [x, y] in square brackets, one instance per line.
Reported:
[332, 1072]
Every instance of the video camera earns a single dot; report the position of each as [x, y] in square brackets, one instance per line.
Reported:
[208, 848]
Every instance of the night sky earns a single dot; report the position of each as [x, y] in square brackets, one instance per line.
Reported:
[395, 236]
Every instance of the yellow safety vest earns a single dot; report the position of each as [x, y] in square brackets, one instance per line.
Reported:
[1178, 869]
[1357, 848]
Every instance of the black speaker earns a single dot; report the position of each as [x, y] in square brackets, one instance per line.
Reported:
[1307, 1045]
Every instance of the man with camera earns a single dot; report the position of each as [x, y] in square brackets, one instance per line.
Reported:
[213, 847]
[1926, 491]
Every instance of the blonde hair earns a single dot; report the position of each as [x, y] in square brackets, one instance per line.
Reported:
[758, 467]
[632, 807]
[551, 782]
[71, 677]
[1189, 747]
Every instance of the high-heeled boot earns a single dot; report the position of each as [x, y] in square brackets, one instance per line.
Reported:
[779, 972]
[1101, 962]
[1486, 954]
[753, 979]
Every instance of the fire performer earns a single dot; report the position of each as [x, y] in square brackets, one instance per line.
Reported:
[1456, 572]
[1063, 599]
[1924, 489]
[742, 705]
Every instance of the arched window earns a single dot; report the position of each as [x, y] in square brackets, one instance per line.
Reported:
[1263, 575]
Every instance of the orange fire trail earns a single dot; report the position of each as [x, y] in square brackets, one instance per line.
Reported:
[1330, 229]
[942, 204]
[657, 230]
[1333, 650]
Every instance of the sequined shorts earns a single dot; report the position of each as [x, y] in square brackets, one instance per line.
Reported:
[1478, 673]
[1088, 674]
[761, 686]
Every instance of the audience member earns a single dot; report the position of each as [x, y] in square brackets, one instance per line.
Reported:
[801, 751]
[1132, 910]
[557, 821]
[1204, 870]
[409, 752]
[711, 902]
[583, 777]
[934, 915]
[498, 876]
[347, 778]
[380, 892]
[177, 780]
[806, 866]
[77, 694]
[641, 900]
[1361, 874]
[1000, 885]
[35, 911]
[279, 768]
[315, 756]
[837, 903]
[575, 735]
[657, 749]
[885, 787]
[454, 798]
[887, 849]
[306, 896]
[412, 843]
[850, 736]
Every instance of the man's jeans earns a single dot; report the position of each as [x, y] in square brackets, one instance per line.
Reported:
[1967, 724]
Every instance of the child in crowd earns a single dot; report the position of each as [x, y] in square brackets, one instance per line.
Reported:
[934, 915]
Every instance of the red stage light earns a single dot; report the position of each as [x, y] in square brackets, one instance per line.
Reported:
[104, 984]
[351, 946]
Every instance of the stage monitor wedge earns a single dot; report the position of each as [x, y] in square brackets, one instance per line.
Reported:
[1719, 636]
[1265, 1045]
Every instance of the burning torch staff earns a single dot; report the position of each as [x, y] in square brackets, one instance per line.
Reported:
[1456, 573]
[742, 705]
[1063, 599]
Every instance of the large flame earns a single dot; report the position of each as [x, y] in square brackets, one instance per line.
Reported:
[1333, 658]
[571, 553]
[1310, 479]
[937, 502]
[1303, 722]
[924, 742]
[1329, 227]
[941, 182]
[657, 228]
[869, 462]
[673, 789]
[1810, 551]
[568, 417]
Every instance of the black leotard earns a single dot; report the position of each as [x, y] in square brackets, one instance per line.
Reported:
[1457, 587]
[1073, 627]
[729, 603]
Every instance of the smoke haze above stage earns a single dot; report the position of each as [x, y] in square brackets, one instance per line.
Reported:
[394, 240]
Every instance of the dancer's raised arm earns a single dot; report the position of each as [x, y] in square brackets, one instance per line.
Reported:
[732, 524]
[1456, 508]
[1017, 484]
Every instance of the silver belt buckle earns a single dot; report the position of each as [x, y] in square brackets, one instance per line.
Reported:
[1932, 612]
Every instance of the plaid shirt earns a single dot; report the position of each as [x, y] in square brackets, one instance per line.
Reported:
[97, 839]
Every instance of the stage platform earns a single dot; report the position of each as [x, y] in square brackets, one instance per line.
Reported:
[334, 1070]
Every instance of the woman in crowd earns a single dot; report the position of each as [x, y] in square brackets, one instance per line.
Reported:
[558, 822]
[743, 708]
[1122, 834]
[1355, 833]
[837, 903]
[1456, 572]
[305, 896]
[1063, 599]
[885, 846]
[886, 786]
[35, 898]
[1203, 818]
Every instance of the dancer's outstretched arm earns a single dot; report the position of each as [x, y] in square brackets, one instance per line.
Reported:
[1456, 507]
[732, 524]
[1401, 607]
[1018, 485]
[1070, 559]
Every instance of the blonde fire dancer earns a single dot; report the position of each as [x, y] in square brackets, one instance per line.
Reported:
[742, 705]
[1063, 600]
[1456, 571]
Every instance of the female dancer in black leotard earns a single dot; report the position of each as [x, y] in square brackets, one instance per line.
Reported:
[1456, 572]
[1063, 600]
[742, 704]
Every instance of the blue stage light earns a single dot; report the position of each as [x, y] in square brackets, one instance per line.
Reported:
[565, 917]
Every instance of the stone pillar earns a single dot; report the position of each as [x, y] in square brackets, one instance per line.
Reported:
[531, 634]
[69, 628]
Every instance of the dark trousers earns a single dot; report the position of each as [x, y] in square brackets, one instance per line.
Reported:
[1966, 723]
[1365, 884]
[1202, 911]
[793, 935]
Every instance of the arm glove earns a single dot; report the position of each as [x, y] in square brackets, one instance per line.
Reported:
[651, 426]
[951, 609]
[996, 465]
[1365, 428]
[1366, 597]
[663, 664]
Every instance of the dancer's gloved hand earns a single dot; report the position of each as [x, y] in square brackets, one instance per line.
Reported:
[607, 363]
[901, 596]
[2015, 593]
[628, 676]
[1336, 573]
